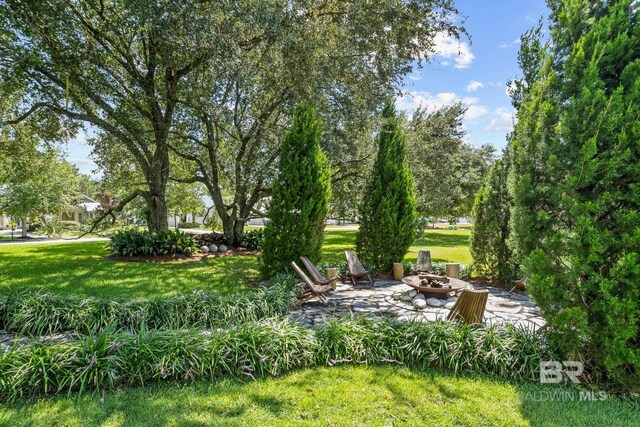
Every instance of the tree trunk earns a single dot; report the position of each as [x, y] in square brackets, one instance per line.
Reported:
[25, 226]
[233, 229]
[157, 177]
[238, 233]
[158, 219]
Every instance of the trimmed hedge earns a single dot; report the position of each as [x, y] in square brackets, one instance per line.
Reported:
[35, 313]
[267, 347]
[188, 225]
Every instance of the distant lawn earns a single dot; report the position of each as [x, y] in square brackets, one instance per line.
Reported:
[339, 396]
[445, 245]
[81, 268]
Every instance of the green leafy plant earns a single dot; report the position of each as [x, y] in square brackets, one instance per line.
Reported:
[253, 239]
[36, 313]
[576, 219]
[133, 242]
[267, 347]
[70, 225]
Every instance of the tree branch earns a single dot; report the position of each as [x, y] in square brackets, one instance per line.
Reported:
[113, 210]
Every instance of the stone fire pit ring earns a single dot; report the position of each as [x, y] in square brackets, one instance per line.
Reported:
[434, 292]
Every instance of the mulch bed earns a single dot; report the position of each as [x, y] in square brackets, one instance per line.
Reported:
[182, 258]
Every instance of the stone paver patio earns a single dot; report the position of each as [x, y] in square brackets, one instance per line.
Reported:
[392, 298]
[384, 299]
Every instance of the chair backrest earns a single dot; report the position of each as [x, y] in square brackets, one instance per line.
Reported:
[317, 276]
[424, 261]
[304, 278]
[355, 267]
[469, 308]
[301, 273]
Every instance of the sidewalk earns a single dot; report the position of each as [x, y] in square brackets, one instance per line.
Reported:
[38, 240]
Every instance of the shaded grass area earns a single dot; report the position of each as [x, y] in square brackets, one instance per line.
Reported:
[81, 268]
[344, 396]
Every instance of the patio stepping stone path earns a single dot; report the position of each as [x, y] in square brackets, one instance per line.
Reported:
[394, 299]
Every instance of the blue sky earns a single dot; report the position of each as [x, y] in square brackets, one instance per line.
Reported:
[475, 71]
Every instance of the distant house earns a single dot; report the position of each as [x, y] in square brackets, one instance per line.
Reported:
[82, 210]
[4, 221]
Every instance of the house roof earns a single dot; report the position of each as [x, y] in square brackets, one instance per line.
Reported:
[87, 204]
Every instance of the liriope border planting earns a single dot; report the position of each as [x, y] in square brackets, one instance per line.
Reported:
[267, 347]
[39, 313]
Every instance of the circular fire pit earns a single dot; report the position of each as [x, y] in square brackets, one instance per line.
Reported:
[431, 290]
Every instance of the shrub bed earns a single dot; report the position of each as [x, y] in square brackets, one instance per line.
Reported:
[253, 239]
[35, 313]
[266, 347]
[133, 242]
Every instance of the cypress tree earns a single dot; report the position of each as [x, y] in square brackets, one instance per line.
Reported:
[585, 272]
[533, 173]
[388, 208]
[300, 197]
[492, 257]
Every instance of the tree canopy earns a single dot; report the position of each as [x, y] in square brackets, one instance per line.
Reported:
[447, 170]
[211, 81]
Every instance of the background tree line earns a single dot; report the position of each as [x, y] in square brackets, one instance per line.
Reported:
[202, 92]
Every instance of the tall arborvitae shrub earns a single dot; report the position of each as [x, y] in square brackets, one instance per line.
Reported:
[492, 256]
[532, 146]
[300, 197]
[585, 272]
[388, 209]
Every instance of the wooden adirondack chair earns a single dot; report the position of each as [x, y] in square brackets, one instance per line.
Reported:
[317, 277]
[469, 308]
[519, 284]
[423, 264]
[356, 270]
[312, 289]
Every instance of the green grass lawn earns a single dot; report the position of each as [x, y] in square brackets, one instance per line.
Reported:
[81, 268]
[339, 396]
[445, 245]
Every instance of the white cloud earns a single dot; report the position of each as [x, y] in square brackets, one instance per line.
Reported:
[410, 101]
[449, 47]
[502, 121]
[509, 87]
[415, 76]
[475, 111]
[474, 85]
[508, 45]
[79, 139]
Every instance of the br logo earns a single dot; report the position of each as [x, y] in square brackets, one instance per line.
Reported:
[553, 372]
